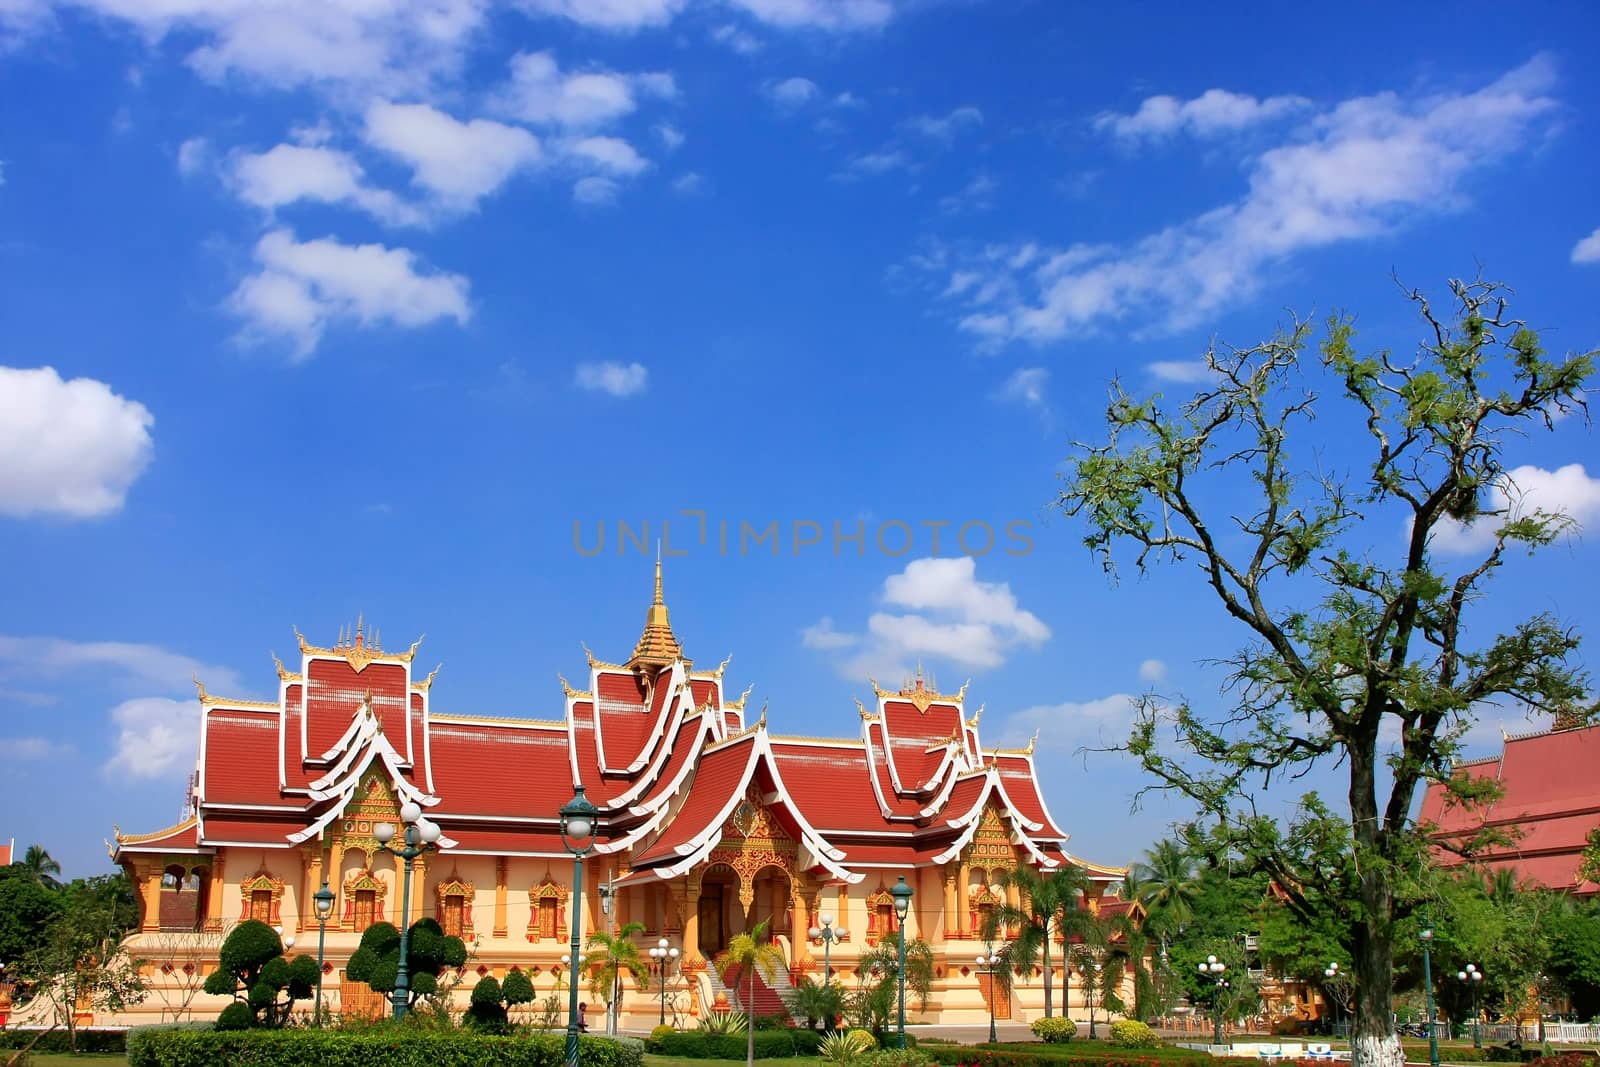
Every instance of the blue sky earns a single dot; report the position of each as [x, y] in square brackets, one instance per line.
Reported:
[364, 308]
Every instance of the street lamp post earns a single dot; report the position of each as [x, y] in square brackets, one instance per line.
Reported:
[1331, 973]
[323, 899]
[420, 836]
[1472, 976]
[902, 908]
[1215, 967]
[663, 955]
[1427, 991]
[827, 935]
[616, 972]
[989, 963]
[578, 831]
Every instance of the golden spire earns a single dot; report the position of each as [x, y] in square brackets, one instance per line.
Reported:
[658, 645]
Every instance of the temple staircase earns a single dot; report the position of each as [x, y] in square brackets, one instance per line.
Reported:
[774, 998]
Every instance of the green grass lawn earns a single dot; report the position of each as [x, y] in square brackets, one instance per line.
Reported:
[61, 1059]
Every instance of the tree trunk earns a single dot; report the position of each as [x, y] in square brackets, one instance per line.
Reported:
[750, 1015]
[1373, 1041]
[1049, 1010]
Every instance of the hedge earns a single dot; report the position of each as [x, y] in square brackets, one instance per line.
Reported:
[698, 1045]
[57, 1041]
[372, 1048]
[1032, 1055]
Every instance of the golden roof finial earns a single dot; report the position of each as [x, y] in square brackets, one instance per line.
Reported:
[658, 645]
[360, 641]
[961, 694]
[973, 722]
[762, 722]
[1031, 742]
[201, 687]
[862, 708]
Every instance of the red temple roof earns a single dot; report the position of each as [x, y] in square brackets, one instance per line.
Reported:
[1549, 804]
[656, 745]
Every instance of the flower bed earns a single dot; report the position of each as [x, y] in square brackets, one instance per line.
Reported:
[389, 1047]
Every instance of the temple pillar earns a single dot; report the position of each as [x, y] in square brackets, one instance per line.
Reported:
[313, 882]
[800, 936]
[1014, 899]
[500, 865]
[151, 919]
[214, 894]
[419, 881]
[691, 923]
[949, 902]
[963, 899]
[398, 893]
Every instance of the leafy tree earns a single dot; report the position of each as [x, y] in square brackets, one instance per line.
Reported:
[26, 907]
[252, 968]
[1049, 905]
[1165, 883]
[1575, 957]
[79, 960]
[819, 1002]
[620, 954]
[38, 864]
[875, 1002]
[492, 1000]
[429, 950]
[751, 952]
[1346, 647]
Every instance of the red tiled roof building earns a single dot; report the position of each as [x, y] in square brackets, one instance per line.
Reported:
[1549, 804]
[709, 822]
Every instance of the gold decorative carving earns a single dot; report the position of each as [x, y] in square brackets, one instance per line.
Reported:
[262, 880]
[359, 881]
[751, 841]
[548, 890]
[738, 705]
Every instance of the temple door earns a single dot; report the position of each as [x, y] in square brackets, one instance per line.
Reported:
[713, 935]
[994, 997]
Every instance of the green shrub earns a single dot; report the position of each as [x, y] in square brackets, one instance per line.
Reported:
[654, 1043]
[688, 1044]
[1056, 1030]
[724, 1022]
[806, 1042]
[1131, 1033]
[59, 1041]
[389, 1046]
[846, 1047]
[894, 1057]
[868, 1039]
[236, 1016]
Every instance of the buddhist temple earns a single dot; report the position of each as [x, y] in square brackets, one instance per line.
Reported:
[1549, 804]
[710, 822]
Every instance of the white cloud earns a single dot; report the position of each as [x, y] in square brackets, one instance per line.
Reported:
[1214, 112]
[791, 94]
[740, 41]
[303, 286]
[1064, 728]
[1525, 491]
[689, 183]
[618, 379]
[288, 173]
[458, 162]
[822, 635]
[1026, 386]
[1355, 172]
[1181, 371]
[873, 164]
[31, 749]
[1588, 249]
[936, 607]
[976, 195]
[595, 190]
[68, 447]
[671, 137]
[841, 15]
[1152, 671]
[539, 92]
[129, 663]
[946, 127]
[615, 15]
[609, 154]
[193, 156]
[156, 737]
[349, 49]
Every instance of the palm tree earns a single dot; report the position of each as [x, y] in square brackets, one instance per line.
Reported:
[41, 866]
[751, 952]
[1167, 884]
[621, 954]
[1105, 950]
[1050, 903]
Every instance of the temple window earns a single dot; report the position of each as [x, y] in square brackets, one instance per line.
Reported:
[261, 905]
[549, 910]
[366, 908]
[453, 915]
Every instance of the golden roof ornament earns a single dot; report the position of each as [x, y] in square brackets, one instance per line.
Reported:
[973, 722]
[658, 645]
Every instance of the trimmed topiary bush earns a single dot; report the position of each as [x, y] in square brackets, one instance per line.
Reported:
[653, 1044]
[1057, 1030]
[1131, 1033]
